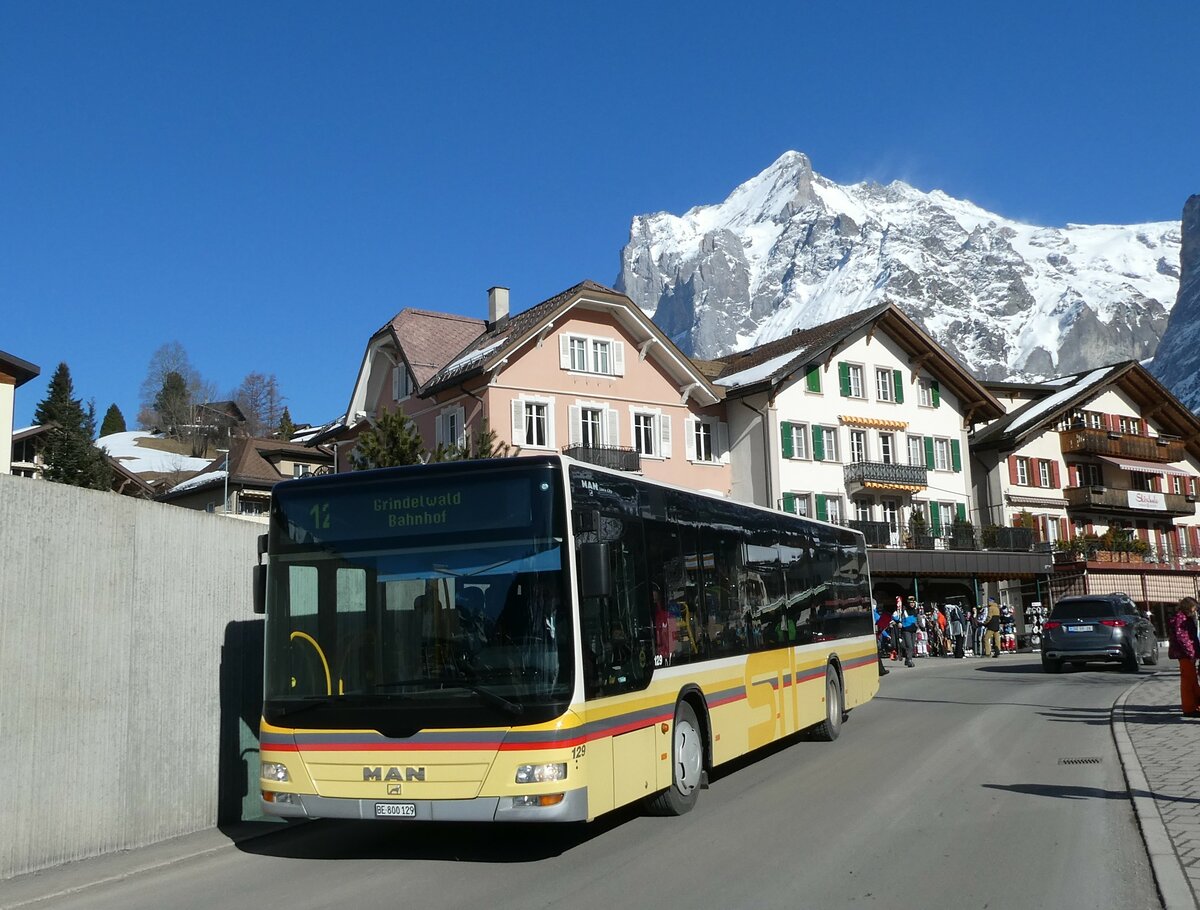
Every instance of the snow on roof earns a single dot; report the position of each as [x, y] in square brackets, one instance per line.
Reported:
[755, 374]
[200, 480]
[1047, 405]
[127, 448]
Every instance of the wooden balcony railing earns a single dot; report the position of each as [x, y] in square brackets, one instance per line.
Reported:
[1090, 441]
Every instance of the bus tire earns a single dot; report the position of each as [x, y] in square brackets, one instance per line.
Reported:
[828, 729]
[687, 765]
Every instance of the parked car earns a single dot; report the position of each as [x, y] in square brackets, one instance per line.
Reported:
[1098, 628]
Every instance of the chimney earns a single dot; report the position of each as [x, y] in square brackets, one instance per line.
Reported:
[497, 304]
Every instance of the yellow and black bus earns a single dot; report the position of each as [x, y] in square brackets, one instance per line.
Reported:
[540, 639]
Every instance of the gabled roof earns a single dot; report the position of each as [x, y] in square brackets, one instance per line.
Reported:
[493, 347]
[1063, 394]
[771, 364]
[248, 466]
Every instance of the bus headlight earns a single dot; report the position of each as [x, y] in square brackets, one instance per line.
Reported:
[276, 771]
[539, 774]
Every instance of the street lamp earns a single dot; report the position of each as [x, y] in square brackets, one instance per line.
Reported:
[226, 453]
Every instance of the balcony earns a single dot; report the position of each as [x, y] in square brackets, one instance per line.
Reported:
[877, 533]
[1091, 441]
[1128, 502]
[617, 458]
[880, 476]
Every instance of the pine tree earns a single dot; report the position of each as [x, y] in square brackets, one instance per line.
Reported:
[393, 440]
[114, 421]
[287, 429]
[70, 456]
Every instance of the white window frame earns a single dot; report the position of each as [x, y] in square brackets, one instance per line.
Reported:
[941, 453]
[1022, 471]
[834, 513]
[594, 352]
[948, 515]
[609, 429]
[660, 432]
[925, 392]
[1044, 473]
[800, 441]
[829, 443]
[591, 427]
[523, 414]
[863, 509]
[883, 384]
[887, 448]
[855, 378]
[451, 422]
[803, 502]
[858, 446]
[717, 434]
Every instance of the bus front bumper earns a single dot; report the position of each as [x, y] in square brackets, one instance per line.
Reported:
[573, 808]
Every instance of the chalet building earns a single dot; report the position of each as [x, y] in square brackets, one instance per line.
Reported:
[585, 372]
[1102, 468]
[14, 373]
[240, 483]
[863, 421]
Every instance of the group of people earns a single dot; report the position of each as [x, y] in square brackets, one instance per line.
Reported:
[1184, 647]
[912, 630]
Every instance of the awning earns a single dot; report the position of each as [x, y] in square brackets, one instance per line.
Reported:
[877, 423]
[1148, 467]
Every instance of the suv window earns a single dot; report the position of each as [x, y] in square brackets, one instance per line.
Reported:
[1083, 609]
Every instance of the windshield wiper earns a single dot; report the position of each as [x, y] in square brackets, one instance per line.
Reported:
[309, 702]
[493, 698]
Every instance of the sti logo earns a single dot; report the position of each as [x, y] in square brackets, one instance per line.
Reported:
[394, 773]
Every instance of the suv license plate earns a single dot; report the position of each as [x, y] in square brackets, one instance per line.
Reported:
[1081, 628]
[395, 810]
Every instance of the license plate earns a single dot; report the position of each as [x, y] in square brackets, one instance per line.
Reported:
[1081, 628]
[395, 810]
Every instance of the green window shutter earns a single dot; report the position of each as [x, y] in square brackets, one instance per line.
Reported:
[818, 452]
[813, 376]
[898, 384]
[929, 452]
[844, 378]
[785, 431]
[822, 508]
[935, 391]
[789, 502]
[962, 511]
[935, 519]
[955, 455]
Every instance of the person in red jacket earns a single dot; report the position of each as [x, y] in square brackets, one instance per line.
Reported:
[1181, 635]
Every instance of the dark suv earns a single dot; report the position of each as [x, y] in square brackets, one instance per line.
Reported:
[1098, 627]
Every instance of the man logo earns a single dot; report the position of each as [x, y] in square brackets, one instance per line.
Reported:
[394, 773]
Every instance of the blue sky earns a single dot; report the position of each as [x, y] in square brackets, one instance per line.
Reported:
[269, 183]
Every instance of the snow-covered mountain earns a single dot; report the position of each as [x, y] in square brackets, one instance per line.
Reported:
[1177, 362]
[790, 248]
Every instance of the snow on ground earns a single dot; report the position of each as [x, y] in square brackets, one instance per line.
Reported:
[127, 448]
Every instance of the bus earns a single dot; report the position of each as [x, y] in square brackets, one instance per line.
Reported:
[541, 639]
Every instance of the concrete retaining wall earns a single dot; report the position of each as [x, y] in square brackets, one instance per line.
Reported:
[131, 667]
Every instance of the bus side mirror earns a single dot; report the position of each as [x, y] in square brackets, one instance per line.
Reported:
[595, 579]
[260, 589]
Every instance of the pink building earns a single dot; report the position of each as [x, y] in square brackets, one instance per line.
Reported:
[585, 372]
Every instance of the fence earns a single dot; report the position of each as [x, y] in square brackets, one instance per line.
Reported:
[132, 667]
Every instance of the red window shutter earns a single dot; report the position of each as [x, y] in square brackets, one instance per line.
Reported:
[1035, 472]
[1089, 529]
[1073, 473]
[1062, 529]
[1016, 519]
[1012, 469]
[1194, 531]
[1054, 475]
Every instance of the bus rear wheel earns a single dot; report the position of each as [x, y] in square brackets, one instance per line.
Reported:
[687, 765]
[828, 729]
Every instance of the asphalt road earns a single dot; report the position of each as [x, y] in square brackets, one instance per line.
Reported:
[948, 791]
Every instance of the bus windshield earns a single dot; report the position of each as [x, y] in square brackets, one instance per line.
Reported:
[414, 602]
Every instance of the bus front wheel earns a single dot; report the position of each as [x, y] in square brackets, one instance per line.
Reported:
[831, 726]
[687, 765]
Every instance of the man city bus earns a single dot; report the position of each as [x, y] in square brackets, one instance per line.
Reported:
[539, 639]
